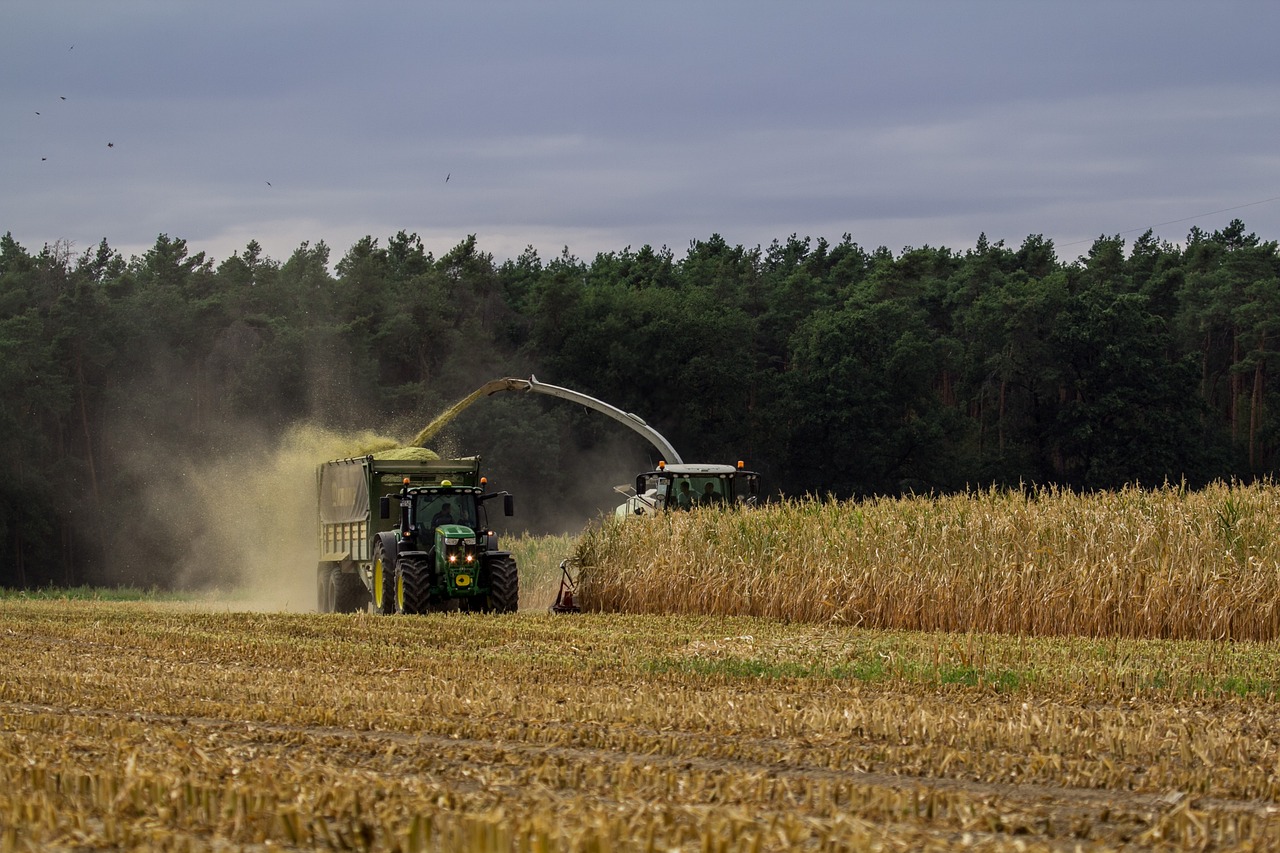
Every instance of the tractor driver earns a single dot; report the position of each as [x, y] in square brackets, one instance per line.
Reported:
[684, 497]
[710, 496]
[444, 516]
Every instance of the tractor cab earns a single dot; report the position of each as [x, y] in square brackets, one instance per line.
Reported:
[445, 514]
[443, 507]
[690, 486]
[452, 526]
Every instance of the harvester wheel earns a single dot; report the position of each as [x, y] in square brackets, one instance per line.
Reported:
[384, 589]
[413, 584]
[504, 585]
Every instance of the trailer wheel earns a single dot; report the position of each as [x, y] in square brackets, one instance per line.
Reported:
[324, 588]
[384, 599]
[349, 594]
[413, 584]
[504, 585]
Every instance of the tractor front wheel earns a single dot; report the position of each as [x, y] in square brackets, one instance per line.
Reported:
[413, 585]
[504, 585]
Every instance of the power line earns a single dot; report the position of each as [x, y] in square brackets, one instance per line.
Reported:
[1184, 219]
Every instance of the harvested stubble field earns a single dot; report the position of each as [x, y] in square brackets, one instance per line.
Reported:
[144, 725]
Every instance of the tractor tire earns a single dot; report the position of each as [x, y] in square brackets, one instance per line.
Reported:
[324, 588]
[384, 585]
[349, 594]
[504, 585]
[413, 586]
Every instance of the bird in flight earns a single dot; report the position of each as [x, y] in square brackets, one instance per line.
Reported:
[446, 177]
[268, 183]
[111, 145]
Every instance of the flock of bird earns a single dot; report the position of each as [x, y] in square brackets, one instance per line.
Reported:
[63, 98]
[113, 145]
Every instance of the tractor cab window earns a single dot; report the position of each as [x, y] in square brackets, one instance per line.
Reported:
[684, 497]
[712, 492]
[435, 510]
[686, 491]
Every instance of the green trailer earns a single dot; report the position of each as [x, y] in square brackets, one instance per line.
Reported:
[410, 536]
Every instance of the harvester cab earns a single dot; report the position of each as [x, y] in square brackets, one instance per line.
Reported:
[686, 486]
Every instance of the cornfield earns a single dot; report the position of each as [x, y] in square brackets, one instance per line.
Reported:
[1165, 563]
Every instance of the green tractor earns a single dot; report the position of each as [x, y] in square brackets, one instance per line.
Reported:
[426, 558]
[442, 553]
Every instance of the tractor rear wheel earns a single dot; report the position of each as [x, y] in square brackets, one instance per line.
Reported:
[413, 585]
[384, 591]
[504, 585]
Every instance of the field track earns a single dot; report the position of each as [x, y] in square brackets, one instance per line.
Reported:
[144, 725]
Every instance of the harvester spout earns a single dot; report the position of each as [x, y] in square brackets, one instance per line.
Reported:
[428, 432]
[635, 422]
[491, 388]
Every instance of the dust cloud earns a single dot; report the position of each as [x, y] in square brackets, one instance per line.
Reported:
[239, 526]
[227, 510]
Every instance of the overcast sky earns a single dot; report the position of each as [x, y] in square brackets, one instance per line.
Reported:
[599, 125]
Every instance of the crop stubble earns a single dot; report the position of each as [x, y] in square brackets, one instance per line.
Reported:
[145, 725]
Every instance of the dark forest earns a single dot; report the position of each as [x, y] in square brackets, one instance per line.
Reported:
[834, 370]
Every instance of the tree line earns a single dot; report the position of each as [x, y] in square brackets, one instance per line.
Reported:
[832, 369]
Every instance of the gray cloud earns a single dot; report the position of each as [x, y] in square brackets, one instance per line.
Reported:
[598, 127]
